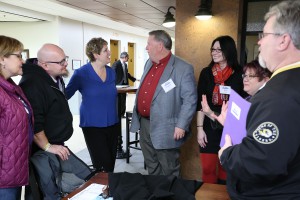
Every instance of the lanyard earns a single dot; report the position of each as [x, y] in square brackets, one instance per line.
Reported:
[288, 67]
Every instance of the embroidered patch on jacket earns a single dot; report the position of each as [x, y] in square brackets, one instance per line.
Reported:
[266, 133]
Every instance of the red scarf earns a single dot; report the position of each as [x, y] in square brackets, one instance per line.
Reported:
[220, 76]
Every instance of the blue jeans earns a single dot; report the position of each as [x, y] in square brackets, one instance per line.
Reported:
[10, 193]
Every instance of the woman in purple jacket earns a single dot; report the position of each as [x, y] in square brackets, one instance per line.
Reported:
[15, 122]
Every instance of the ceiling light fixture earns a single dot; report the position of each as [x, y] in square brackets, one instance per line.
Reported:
[169, 18]
[204, 12]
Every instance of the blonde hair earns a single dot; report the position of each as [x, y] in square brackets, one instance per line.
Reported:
[8, 45]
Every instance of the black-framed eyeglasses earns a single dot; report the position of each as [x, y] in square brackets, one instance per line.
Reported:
[262, 35]
[61, 63]
[215, 50]
[249, 77]
[19, 55]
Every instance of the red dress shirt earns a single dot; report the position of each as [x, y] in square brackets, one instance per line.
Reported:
[149, 86]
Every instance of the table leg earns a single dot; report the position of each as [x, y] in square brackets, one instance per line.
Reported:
[121, 154]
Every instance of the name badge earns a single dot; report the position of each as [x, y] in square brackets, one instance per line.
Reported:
[225, 89]
[168, 85]
[236, 111]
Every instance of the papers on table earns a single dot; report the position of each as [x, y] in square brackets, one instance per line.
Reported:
[122, 86]
[235, 123]
[92, 192]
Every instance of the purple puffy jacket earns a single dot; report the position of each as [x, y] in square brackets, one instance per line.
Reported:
[15, 136]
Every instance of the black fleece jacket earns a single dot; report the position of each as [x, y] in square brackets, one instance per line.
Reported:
[50, 107]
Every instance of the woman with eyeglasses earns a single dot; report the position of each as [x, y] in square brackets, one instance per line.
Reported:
[16, 119]
[222, 74]
[255, 78]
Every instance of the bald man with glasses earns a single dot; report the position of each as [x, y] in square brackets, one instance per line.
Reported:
[43, 85]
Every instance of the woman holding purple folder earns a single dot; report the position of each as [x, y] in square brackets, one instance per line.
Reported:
[254, 79]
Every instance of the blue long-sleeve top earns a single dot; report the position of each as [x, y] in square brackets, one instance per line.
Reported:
[99, 98]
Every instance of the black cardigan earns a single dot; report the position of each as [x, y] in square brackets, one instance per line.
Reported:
[50, 107]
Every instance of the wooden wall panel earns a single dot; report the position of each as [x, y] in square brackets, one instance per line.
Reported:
[192, 42]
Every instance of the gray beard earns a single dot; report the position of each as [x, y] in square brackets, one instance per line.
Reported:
[261, 61]
[66, 74]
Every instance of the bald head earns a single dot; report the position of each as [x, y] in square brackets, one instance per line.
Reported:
[53, 59]
[49, 52]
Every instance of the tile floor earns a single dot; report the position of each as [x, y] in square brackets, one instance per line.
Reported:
[136, 161]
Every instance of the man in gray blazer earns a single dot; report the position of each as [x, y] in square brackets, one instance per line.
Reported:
[165, 105]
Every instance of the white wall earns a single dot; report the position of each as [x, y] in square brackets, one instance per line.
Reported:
[91, 31]
[31, 34]
[71, 40]
[72, 36]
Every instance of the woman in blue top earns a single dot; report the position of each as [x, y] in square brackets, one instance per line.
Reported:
[98, 113]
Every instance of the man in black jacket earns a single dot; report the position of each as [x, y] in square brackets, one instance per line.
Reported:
[122, 76]
[44, 88]
[266, 164]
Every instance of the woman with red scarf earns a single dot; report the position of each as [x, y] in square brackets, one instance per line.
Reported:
[222, 73]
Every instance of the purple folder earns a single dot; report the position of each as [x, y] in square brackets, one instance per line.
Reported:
[235, 122]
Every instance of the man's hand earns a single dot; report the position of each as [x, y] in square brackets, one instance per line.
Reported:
[60, 150]
[179, 133]
[41, 140]
[227, 144]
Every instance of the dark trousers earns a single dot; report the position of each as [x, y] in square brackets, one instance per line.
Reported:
[158, 161]
[102, 146]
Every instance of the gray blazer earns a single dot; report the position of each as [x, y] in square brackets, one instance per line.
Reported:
[175, 108]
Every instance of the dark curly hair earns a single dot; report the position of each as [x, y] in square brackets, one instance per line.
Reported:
[259, 70]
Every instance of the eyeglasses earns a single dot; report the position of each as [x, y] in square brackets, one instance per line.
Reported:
[262, 35]
[16, 54]
[62, 62]
[248, 77]
[215, 50]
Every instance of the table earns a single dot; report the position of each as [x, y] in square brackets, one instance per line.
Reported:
[100, 178]
[122, 90]
[210, 191]
[132, 89]
[207, 191]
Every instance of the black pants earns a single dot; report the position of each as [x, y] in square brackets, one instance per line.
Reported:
[102, 146]
[121, 104]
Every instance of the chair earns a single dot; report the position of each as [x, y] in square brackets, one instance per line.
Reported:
[130, 143]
